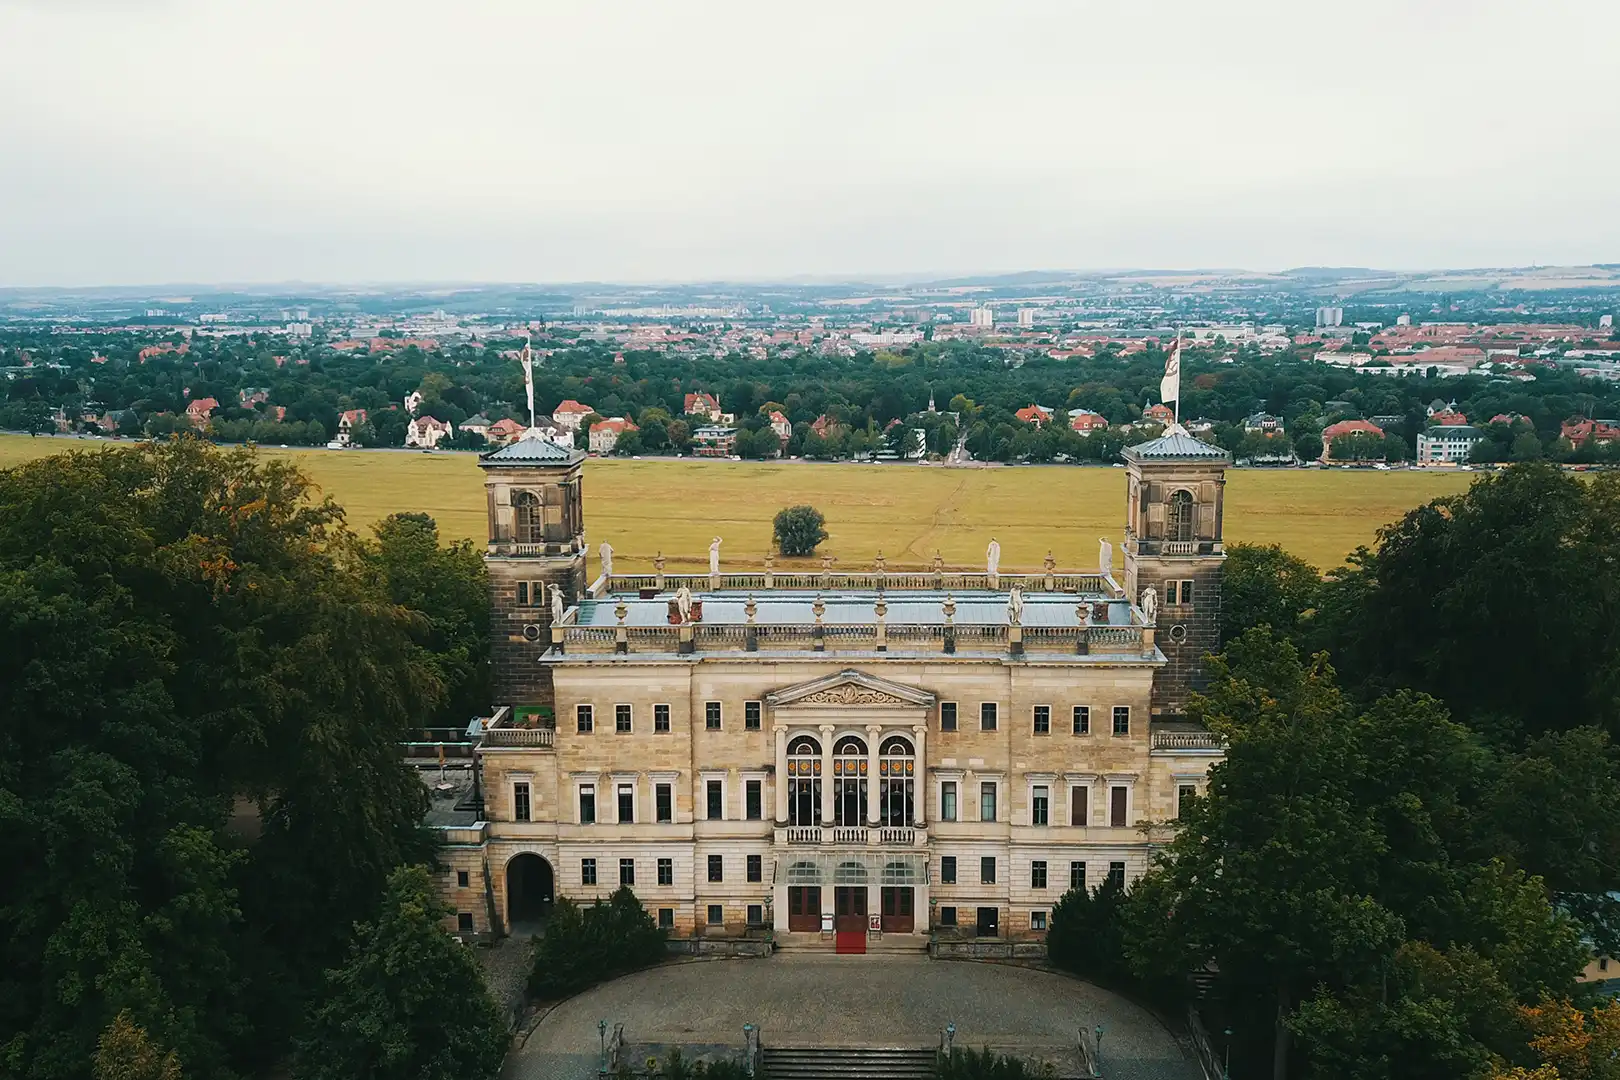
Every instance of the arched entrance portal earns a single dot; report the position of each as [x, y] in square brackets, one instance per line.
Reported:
[529, 890]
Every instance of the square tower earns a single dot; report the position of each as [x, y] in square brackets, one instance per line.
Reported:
[536, 543]
[1173, 528]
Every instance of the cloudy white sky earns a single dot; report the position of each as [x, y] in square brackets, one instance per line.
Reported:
[146, 141]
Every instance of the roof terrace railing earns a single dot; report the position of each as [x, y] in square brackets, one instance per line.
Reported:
[863, 581]
[977, 638]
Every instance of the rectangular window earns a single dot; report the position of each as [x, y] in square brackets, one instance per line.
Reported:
[463, 879]
[1037, 920]
[660, 719]
[1186, 592]
[584, 719]
[664, 803]
[587, 804]
[751, 715]
[1116, 874]
[717, 915]
[711, 715]
[523, 594]
[756, 868]
[666, 871]
[1170, 593]
[1077, 875]
[754, 800]
[1122, 719]
[520, 802]
[987, 870]
[666, 918]
[756, 915]
[587, 871]
[1079, 806]
[627, 804]
[1040, 812]
[947, 869]
[1118, 799]
[1184, 797]
[464, 922]
[987, 716]
[987, 801]
[1043, 719]
[621, 719]
[947, 916]
[1082, 719]
[947, 716]
[717, 867]
[947, 800]
[627, 871]
[716, 799]
[1037, 874]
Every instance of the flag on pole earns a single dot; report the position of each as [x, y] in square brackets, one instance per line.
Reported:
[1170, 385]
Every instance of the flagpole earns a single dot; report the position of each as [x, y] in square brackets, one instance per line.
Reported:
[1178, 376]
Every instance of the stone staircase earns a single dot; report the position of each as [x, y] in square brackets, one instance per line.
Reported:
[847, 1063]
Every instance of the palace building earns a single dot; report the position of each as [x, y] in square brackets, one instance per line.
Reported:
[834, 758]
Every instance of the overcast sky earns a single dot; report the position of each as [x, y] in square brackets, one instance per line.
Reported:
[146, 141]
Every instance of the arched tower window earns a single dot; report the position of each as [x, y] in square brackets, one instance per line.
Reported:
[529, 519]
[1181, 520]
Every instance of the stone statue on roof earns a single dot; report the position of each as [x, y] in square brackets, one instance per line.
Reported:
[1150, 605]
[556, 604]
[1015, 605]
[1105, 558]
[714, 556]
[992, 558]
[605, 552]
[683, 603]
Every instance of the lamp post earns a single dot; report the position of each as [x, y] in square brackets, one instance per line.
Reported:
[1226, 1065]
[1099, 1030]
[950, 1038]
[601, 1033]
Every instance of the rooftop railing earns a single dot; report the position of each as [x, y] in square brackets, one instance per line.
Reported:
[1187, 740]
[865, 637]
[863, 581]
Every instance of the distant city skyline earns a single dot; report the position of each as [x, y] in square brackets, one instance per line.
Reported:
[491, 141]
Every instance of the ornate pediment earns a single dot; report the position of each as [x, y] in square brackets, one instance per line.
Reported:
[851, 687]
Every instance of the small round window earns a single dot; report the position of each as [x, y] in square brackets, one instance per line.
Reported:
[1178, 633]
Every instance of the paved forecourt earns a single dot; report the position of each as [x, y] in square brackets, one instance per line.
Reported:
[805, 1000]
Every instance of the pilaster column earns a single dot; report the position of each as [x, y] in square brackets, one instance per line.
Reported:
[919, 800]
[827, 777]
[782, 780]
[874, 786]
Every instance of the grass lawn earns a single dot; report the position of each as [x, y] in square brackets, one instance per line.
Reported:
[908, 511]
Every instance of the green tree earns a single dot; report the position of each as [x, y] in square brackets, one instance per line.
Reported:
[449, 587]
[190, 638]
[409, 1004]
[798, 530]
[125, 1052]
[1308, 447]
[1263, 585]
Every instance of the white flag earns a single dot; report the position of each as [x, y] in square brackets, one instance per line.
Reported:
[1170, 385]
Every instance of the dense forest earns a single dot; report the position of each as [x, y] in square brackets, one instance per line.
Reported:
[976, 391]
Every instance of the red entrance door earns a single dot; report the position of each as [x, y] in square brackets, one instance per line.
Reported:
[898, 916]
[804, 909]
[849, 918]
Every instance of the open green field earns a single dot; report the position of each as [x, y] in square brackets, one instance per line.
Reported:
[908, 511]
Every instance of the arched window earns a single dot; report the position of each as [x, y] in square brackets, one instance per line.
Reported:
[897, 767]
[1181, 521]
[850, 767]
[804, 781]
[530, 522]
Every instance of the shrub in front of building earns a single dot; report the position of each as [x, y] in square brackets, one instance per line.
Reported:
[986, 1064]
[585, 946]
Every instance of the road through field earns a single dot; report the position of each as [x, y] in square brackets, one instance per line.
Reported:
[907, 511]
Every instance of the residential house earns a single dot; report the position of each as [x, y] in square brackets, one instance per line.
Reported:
[826, 426]
[702, 404]
[713, 440]
[1084, 421]
[348, 420]
[780, 425]
[1158, 414]
[1034, 414]
[1447, 444]
[1201, 426]
[570, 414]
[1602, 432]
[1343, 428]
[1448, 418]
[1511, 418]
[426, 432]
[253, 395]
[502, 432]
[1264, 423]
[478, 425]
[604, 434]
[198, 411]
